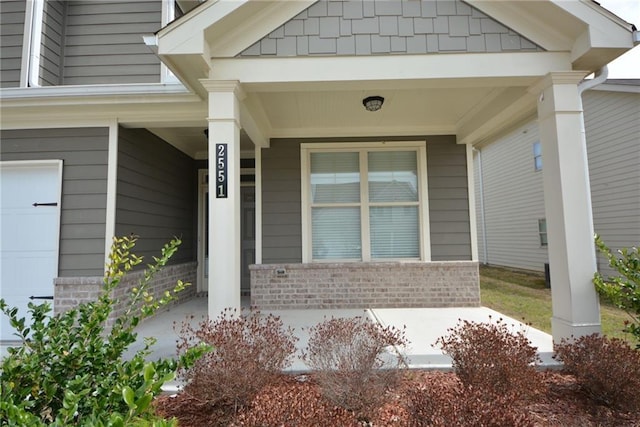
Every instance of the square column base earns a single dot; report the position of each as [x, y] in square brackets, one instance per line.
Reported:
[562, 329]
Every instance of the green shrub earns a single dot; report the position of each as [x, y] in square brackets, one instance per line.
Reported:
[622, 290]
[607, 369]
[69, 368]
[351, 361]
[248, 353]
[489, 357]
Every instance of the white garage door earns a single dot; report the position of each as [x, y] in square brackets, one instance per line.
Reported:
[29, 230]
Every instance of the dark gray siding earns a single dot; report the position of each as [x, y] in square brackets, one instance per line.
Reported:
[11, 34]
[84, 189]
[448, 199]
[104, 42]
[156, 195]
[281, 204]
[52, 42]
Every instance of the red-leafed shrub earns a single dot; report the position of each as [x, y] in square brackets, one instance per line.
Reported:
[607, 369]
[489, 357]
[248, 353]
[355, 362]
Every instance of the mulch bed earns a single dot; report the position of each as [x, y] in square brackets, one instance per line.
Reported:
[297, 401]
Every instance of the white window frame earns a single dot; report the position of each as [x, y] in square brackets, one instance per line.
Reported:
[537, 158]
[363, 148]
[544, 241]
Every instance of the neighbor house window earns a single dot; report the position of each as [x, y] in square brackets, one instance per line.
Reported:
[537, 156]
[364, 202]
[542, 231]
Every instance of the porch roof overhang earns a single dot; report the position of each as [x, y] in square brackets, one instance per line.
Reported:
[473, 96]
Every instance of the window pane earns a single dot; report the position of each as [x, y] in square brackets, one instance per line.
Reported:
[335, 233]
[394, 232]
[393, 176]
[335, 178]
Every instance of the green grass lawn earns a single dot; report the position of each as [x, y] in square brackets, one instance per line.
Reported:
[523, 296]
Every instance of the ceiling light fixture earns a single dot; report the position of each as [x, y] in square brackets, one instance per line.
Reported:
[373, 103]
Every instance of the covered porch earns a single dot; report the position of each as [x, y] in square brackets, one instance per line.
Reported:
[301, 113]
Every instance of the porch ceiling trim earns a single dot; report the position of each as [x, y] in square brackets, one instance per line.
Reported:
[289, 74]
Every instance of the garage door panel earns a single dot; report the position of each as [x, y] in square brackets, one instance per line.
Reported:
[29, 234]
[21, 230]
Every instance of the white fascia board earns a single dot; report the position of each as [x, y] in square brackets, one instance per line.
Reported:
[186, 35]
[92, 90]
[603, 31]
[328, 70]
[229, 38]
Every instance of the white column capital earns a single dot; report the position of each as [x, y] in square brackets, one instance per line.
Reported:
[555, 79]
[233, 86]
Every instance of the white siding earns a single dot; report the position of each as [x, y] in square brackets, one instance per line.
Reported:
[613, 145]
[513, 193]
[513, 201]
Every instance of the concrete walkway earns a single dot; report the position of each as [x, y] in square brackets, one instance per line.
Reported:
[423, 327]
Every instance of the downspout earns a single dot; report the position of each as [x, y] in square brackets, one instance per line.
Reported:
[483, 224]
[35, 43]
[599, 77]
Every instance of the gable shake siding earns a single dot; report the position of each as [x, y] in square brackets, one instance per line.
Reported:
[11, 38]
[84, 189]
[103, 42]
[366, 27]
[156, 194]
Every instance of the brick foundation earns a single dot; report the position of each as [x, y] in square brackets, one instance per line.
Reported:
[365, 285]
[71, 291]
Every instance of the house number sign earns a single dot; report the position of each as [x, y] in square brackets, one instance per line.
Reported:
[221, 171]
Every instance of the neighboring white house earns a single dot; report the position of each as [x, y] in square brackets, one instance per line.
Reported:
[340, 137]
[509, 188]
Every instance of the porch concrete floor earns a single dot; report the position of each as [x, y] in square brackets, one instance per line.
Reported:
[423, 327]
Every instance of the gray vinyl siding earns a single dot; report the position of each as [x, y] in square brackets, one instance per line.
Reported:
[156, 194]
[514, 195]
[12, 16]
[84, 189]
[448, 199]
[103, 42]
[52, 42]
[513, 201]
[389, 27]
[281, 203]
[612, 122]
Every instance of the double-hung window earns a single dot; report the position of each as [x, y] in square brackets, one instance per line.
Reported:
[364, 202]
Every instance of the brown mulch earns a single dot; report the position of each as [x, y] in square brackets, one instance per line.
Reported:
[297, 401]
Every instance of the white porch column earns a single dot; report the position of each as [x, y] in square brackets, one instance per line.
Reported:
[224, 201]
[567, 196]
